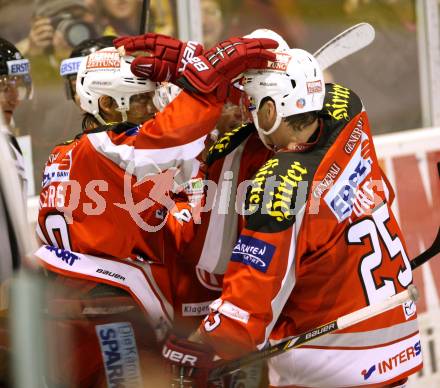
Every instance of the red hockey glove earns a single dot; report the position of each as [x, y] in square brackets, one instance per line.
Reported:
[169, 56]
[216, 68]
[190, 362]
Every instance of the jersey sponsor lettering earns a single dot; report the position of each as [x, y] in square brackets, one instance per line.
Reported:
[338, 106]
[119, 354]
[223, 143]
[57, 171]
[393, 362]
[279, 189]
[279, 207]
[256, 193]
[195, 309]
[328, 180]
[342, 196]
[253, 252]
[63, 254]
[354, 137]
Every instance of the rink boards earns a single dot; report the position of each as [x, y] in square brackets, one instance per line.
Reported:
[410, 161]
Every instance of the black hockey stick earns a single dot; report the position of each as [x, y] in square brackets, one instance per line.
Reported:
[225, 368]
[433, 250]
[145, 16]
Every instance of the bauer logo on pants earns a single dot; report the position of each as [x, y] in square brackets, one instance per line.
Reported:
[119, 354]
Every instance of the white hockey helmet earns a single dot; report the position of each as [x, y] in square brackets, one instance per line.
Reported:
[294, 82]
[106, 73]
[266, 33]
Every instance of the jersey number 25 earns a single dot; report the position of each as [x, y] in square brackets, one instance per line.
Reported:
[375, 229]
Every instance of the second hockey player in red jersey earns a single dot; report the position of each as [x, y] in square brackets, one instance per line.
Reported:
[113, 269]
[320, 241]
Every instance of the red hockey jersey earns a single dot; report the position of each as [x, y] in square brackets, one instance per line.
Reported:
[104, 206]
[320, 244]
[97, 195]
[198, 270]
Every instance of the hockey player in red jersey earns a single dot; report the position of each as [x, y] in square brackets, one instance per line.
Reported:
[320, 241]
[98, 210]
[227, 164]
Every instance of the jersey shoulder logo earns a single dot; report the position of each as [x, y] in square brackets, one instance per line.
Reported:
[57, 168]
[228, 142]
[353, 189]
[279, 189]
[340, 103]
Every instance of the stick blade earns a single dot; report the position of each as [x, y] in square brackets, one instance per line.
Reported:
[346, 43]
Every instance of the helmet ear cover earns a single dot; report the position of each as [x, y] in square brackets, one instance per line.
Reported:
[105, 73]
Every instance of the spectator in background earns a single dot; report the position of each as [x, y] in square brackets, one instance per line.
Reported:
[212, 22]
[213, 27]
[122, 17]
[58, 26]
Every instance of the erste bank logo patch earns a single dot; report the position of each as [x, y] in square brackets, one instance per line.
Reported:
[57, 170]
[342, 196]
[254, 252]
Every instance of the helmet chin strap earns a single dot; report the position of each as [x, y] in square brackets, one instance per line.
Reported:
[103, 122]
[100, 119]
[275, 126]
[262, 133]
